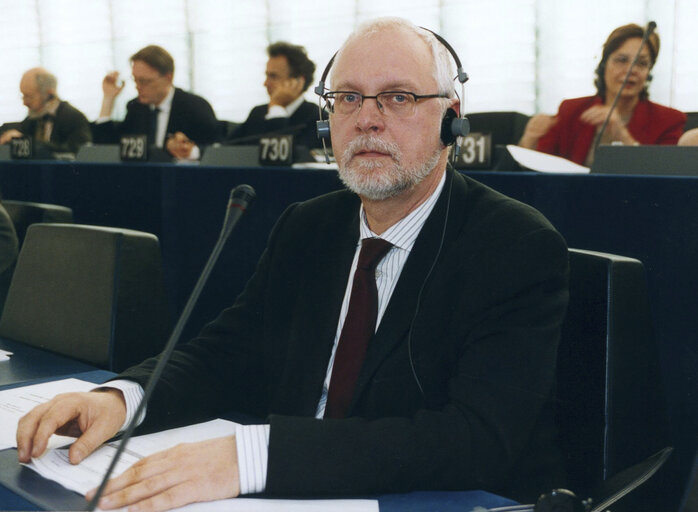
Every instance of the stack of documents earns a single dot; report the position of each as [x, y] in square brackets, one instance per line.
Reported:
[88, 474]
[543, 162]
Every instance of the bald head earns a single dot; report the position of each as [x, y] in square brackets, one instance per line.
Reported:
[439, 61]
[37, 87]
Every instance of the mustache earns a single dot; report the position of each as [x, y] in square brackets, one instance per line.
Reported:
[371, 143]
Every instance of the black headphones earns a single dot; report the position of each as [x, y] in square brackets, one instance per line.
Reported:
[452, 125]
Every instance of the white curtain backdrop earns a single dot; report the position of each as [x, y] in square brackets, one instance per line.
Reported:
[521, 55]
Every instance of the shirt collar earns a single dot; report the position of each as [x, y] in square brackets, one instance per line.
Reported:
[166, 104]
[50, 107]
[293, 106]
[404, 232]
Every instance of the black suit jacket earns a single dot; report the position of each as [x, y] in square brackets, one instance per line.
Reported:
[190, 114]
[71, 129]
[301, 124]
[481, 345]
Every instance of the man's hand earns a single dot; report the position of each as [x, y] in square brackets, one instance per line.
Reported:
[180, 146]
[111, 86]
[92, 417]
[9, 135]
[287, 91]
[187, 473]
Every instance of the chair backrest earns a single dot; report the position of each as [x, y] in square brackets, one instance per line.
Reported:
[505, 127]
[226, 129]
[9, 249]
[92, 293]
[611, 407]
[26, 213]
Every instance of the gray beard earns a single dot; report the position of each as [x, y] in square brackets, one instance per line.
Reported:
[376, 180]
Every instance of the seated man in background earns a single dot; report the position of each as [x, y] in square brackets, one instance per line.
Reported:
[55, 125]
[178, 121]
[289, 74]
[399, 335]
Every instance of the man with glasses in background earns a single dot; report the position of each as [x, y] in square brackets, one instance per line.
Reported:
[399, 335]
[173, 119]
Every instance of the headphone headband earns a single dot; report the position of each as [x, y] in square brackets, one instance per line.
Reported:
[452, 126]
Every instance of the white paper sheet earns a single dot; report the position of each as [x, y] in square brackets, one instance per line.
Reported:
[87, 475]
[16, 402]
[5, 355]
[543, 162]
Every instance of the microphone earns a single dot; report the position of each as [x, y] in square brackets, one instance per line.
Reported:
[651, 26]
[240, 199]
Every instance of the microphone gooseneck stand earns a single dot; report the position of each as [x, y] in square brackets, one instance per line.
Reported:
[240, 198]
[650, 28]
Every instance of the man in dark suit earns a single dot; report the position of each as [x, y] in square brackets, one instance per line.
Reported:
[176, 120]
[289, 74]
[55, 125]
[429, 365]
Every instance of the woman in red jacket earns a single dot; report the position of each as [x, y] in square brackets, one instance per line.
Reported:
[635, 120]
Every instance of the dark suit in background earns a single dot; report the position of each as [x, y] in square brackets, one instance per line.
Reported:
[71, 129]
[483, 343]
[301, 124]
[190, 114]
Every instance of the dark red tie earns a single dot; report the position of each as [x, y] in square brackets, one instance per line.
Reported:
[359, 326]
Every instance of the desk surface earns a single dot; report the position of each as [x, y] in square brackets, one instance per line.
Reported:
[23, 489]
[29, 364]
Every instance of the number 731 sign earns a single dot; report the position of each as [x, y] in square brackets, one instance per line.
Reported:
[475, 151]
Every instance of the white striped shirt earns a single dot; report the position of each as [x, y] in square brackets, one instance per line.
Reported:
[252, 441]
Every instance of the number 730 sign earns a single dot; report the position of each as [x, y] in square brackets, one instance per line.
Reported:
[276, 150]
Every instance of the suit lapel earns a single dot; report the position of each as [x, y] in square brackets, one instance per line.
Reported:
[403, 302]
[316, 321]
[639, 121]
[172, 123]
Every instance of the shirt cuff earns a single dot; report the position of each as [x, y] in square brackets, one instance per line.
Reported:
[133, 394]
[276, 111]
[253, 454]
[195, 153]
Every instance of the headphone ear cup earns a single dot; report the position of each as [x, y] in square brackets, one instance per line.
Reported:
[453, 127]
[323, 130]
[447, 136]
